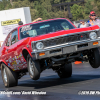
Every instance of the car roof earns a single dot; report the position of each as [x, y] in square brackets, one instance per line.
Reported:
[41, 21]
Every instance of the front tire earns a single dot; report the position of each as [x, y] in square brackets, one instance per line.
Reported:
[66, 71]
[33, 68]
[94, 58]
[9, 77]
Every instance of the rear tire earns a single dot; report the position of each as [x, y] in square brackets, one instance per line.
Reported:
[66, 71]
[33, 68]
[94, 58]
[9, 77]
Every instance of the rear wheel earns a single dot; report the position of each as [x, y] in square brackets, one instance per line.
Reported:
[94, 58]
[33, 68]
[9, 77]
[66, 71]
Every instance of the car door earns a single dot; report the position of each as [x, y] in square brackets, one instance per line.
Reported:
[13, 51]
[4, 53]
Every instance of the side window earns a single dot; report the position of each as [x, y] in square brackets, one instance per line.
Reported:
[14, 37]
[8, 41]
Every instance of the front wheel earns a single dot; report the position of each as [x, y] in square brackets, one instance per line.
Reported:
[66, 71]
[33, 68]
[94, 58]
[9, 77]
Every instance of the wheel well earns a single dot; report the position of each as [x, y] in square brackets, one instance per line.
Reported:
[25, 54]
[2, 63]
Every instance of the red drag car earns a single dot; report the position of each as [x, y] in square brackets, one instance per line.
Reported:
[54, 43]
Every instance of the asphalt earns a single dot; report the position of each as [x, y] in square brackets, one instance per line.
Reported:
[84, 78]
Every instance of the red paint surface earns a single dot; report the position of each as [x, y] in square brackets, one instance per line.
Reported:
[14, 59]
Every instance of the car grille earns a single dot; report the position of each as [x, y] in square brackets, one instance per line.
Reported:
[66, 39]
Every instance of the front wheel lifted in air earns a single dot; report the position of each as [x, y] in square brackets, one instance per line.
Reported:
[33, 68]
[94, 58]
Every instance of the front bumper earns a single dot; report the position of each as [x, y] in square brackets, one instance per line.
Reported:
[65, 49]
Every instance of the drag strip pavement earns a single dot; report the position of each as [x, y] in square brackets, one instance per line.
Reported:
[84, 78]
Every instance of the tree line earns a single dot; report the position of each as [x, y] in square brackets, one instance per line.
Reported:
[45, 10]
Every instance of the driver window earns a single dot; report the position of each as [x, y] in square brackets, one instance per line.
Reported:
[14, 37]
[8, 41]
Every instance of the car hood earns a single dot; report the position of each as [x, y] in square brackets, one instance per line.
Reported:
[63, 32]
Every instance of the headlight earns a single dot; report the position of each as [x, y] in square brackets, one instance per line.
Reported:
[93, 35]
[39, 45]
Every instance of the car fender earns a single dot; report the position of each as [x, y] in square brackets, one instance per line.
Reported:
[2, 61]
[25, 48]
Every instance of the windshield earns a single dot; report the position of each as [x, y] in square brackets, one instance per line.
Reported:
[33, 30]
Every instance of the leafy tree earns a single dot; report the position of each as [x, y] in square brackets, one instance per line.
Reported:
[76, 11]
[44, 9]
[5, 4]
[42, 12]
[88, 7]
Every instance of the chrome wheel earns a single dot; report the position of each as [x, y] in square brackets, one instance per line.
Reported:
[31, 67]
[10, 78]
[5, 75]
